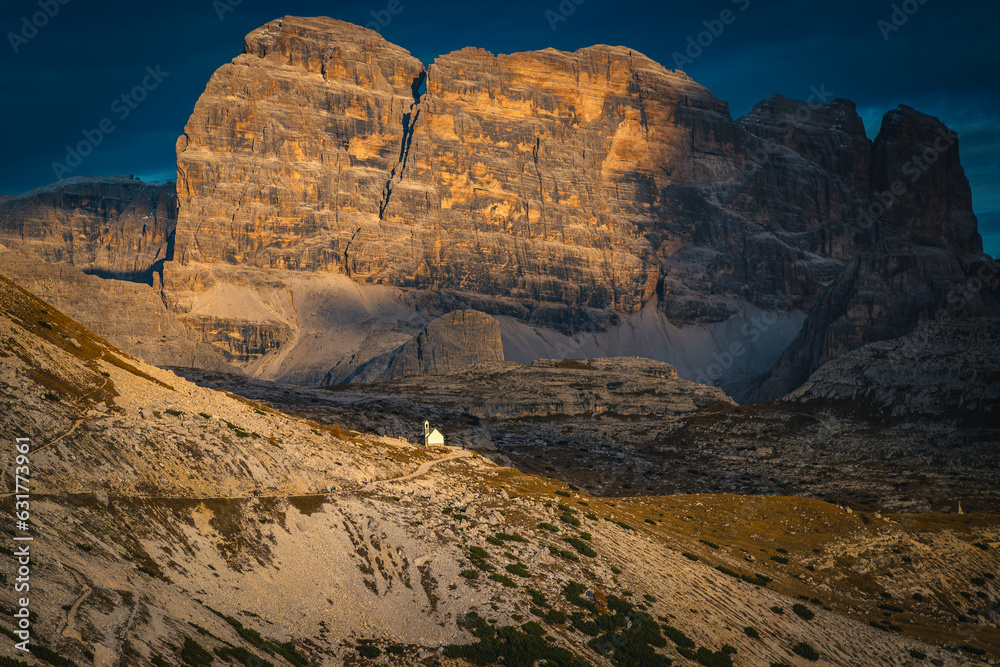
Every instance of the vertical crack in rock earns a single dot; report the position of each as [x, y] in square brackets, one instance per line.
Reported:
[409, 122]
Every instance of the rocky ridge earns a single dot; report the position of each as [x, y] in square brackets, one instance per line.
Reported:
[948, 369]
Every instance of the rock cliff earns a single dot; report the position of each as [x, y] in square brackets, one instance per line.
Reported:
[923, 258]
[450, 343]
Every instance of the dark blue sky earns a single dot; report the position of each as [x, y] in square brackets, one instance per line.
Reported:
[943, 60]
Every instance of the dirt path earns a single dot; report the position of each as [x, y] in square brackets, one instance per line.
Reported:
[422, 470]
[70, 629]
[70, 431]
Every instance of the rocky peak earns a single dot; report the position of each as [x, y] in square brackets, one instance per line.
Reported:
[918, 179]
[336, 50]
[830, 135]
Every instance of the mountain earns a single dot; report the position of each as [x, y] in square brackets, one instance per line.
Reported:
[335, 195]
[151, 547]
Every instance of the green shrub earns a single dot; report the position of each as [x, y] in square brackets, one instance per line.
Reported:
[533, 628]
[494, 540]
[592, 516]
[803, 612]
[581, 546]
[193, 654]
[564, 494]
[549, 527]
[369, 651]
[713, 658]
[519, 569]
[649, 521]
[504, 579]
[713, 545]
[555, 617]
[892, 608]
[582, 624]
[780, 559]
[690, 556]
[751, 632]
[239, 655]
[510, 646]
[175, 413]
[205, 415]
[563, 553]
[919, 655]
[504, 537]
[470, 574]
[566, 517]
[806, 651]
[781, 551]
[619, 606]
[538, 597]
[678, 637]
[777, 610]
[573, 591]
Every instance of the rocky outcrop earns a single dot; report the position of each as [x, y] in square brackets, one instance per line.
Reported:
[291, 145]
[450, 343]
[948, 369]
[114, 227]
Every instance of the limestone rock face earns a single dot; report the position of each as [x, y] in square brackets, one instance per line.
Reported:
[291, 145]
[117, 226]
[450, 343]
